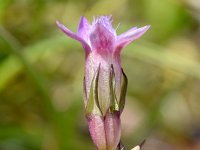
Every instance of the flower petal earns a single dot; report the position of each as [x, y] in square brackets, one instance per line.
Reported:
[102, 39]
[74, 36]
[129, 36]
[83, 29]
[112, 125]
[97, 131]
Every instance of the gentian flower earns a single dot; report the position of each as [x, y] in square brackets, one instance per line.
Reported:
[105, 83]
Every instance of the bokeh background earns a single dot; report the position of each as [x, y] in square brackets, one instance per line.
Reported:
[41, 73]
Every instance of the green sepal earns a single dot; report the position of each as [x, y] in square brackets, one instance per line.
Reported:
[123, 91]
[92, 106]
[114, 106]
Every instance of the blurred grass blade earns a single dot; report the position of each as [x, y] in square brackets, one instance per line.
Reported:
[161, 57]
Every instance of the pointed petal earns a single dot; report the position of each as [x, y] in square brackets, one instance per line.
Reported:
[73, 36]
[130, 30]
[129, 36]
[84, 28]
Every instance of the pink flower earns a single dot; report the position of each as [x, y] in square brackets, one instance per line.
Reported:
[104, 82]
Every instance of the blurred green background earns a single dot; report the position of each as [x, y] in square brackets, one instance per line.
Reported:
[41, 73]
